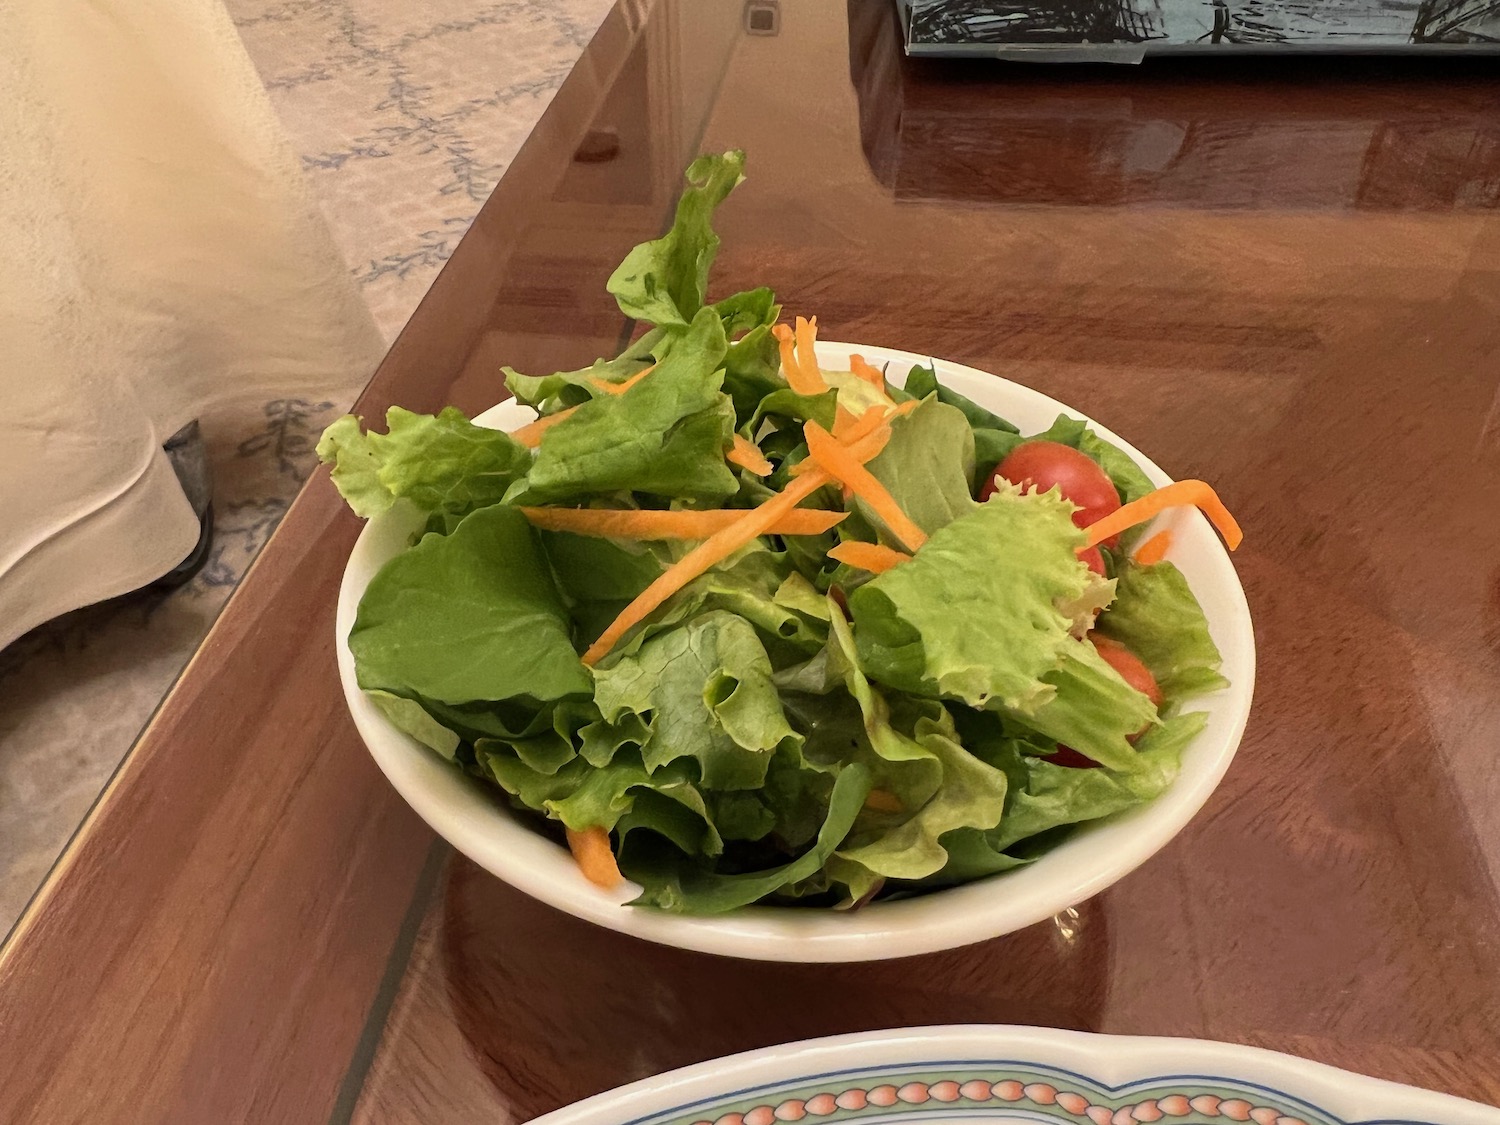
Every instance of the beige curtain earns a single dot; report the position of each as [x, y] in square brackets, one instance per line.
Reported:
[162, 258]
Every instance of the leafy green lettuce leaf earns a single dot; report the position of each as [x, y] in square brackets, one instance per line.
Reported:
[469, 616]
[665, 281]
[665, 436]
[1044, 799]
[1156, 616]
[1093, 710]
[788, 404]
[705, 692]
[994, 437]
[412, 717]
[443, 464]
[752, 363]
[940, 784]
[990, 448]
[582, 796]
[929, 784]
[545, 739]
[1052, 795]
[569, 388]
[971, 855]
[927, 466]
[923, 381]
[599, 577]
[677, 882]
[973, 615]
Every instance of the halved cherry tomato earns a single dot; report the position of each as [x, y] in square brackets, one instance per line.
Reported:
[1077, 476]
[1091, 558]
[1071, 759]
[1129, 666]
[1133, 672]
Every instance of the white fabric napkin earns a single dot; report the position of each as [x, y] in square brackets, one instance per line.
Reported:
[160, 257]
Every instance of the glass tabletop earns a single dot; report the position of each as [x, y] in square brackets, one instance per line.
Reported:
[1282, 276]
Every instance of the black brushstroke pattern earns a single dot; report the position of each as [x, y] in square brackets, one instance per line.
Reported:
[1248, 22]
[1457, 21]
[1042, 21]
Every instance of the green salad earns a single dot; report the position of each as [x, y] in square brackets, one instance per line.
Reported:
[744, 630]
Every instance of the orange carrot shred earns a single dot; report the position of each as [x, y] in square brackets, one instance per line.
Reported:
[623, 385]
[713, 550]
[866, 371]
[618, 523]
[867, 423]
[843, 424]
[841, 464]
[592, 852]
[874, 557]
[791, 366]
[1153, 550]
[843, 421]
[862, 449]
[1194, 492]
[530, 435]
[747, 455]
[807, 352]
[882, 800]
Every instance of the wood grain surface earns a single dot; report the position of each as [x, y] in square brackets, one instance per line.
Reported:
[1287, 284]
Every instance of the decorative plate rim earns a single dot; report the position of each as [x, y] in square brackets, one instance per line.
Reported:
[923, 1074]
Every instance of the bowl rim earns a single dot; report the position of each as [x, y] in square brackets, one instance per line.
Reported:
[485, 830]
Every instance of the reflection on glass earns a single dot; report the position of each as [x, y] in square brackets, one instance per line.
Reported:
[1352, 134]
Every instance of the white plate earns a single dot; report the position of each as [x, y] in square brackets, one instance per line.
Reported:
[921, 1076]
[472, 820]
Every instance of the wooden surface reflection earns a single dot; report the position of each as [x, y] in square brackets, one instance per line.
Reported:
[1376, 133]
[498, 984]
[211, 943]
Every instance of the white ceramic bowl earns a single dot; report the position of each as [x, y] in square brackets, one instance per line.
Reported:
[470, 818]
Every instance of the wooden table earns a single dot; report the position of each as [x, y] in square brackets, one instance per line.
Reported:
[1281, 277]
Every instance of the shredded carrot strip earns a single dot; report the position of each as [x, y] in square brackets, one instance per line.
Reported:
[591, 850]
[1155, 549]
[714, 550]
[880, 800]
[866, 371]
[807, 352]
[843, 421]
[615, 523]
[867, 423]
[530, 435]
[748, 456]
[874, 557]
[791, 367]
[623, 385]
[863, 449]
[840, 464]
[843, 425]
[849, 427]
[1151, 505]
[857, 428]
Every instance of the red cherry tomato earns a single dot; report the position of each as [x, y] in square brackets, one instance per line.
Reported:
[1070, 758]
[1133, 672]
[1077, 476]
[1091, 558]
[1129, 666]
